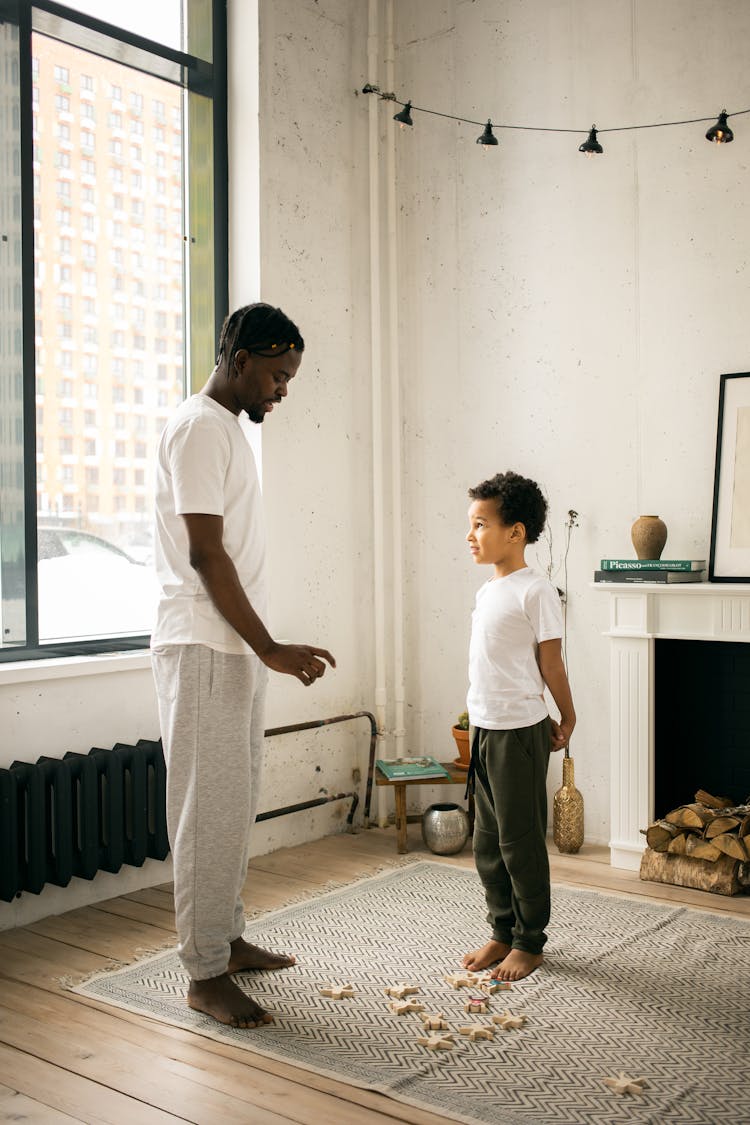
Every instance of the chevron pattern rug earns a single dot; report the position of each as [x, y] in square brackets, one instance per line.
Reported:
[659, 993]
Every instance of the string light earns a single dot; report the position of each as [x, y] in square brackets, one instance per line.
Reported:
[719, 133]
[591, 146]
[404, 117]
[487, 138]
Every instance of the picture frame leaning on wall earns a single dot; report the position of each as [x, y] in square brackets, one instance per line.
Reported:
[729, 559]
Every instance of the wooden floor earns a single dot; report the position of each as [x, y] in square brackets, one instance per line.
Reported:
[64, 1058]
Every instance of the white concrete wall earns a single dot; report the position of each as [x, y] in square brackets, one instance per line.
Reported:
[562, 316]
[565, 317]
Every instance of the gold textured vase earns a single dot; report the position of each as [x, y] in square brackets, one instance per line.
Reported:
[649, 534]
[567, 812]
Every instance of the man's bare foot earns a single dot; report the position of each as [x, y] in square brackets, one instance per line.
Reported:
[517, 965]
[221, 998]
[482, 958]
[246, 956]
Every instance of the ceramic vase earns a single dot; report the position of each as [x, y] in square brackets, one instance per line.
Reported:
[567, 812]
[649, 534]
[445, 828]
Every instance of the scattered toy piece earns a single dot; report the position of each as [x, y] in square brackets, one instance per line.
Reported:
[437, 1042]
[399, 991]
[490, 985]
[625, 1085]
[508, 1022]
[477, 1005]
[400, 1007]
[434, 1023]
[478, 1031]
[461, 980]
[337, 991]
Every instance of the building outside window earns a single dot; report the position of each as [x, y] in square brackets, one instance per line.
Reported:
[62, 471]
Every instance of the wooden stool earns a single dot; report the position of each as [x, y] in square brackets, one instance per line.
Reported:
[457, 777]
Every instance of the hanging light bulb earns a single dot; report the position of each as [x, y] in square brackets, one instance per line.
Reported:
[404, 116]
[591, 145]
[487, 138]
[720, 133]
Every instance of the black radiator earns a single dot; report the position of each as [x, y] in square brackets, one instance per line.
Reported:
[84, 813]
[81, 814]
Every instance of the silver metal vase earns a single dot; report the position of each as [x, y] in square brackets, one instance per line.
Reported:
[445, 828]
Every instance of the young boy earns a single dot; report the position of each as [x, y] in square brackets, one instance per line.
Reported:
[515, 651]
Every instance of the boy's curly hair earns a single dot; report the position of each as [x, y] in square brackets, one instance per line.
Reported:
[518, 500]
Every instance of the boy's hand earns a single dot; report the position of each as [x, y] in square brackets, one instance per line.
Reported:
[301, 661]
[561, 733]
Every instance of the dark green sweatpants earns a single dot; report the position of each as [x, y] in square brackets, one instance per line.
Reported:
[510, 829]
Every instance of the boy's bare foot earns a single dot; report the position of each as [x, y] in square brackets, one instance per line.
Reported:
[221, 998]
[482, 958]
[245, 956]
[517, 965]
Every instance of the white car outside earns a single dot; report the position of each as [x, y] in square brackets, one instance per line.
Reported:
[91, 588]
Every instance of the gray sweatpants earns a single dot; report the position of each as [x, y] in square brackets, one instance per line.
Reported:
[211, 708]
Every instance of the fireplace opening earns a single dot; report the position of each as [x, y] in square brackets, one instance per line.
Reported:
[701, 721]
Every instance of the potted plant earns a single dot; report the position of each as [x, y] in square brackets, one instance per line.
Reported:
[461, 734]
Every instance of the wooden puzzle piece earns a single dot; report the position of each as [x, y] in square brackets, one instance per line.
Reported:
[337, 991]
[508, 1022]
[434, 1023]
[437, 1042]
[401, 1007]
[477, 1005]
[625, 1085]
[399, 991]
[461, 980]
[478, 1031]
[491, 986]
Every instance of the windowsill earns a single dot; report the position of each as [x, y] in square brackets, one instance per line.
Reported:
[62, 667]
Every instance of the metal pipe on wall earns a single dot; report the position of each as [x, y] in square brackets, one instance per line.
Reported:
[376, 377]
[394, 381]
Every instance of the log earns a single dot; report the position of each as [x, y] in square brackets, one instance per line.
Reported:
[677, 846]
[702, 849]
[689, 816]
[720, 824]
[704, 798]
[720, 878]
[731, 845]
[660, 833]
[744, 829]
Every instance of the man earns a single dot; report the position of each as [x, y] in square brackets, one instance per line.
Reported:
[211, 651]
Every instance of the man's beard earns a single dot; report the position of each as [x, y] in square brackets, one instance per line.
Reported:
[256, 413]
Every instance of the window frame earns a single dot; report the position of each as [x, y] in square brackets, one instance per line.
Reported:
[193, 74]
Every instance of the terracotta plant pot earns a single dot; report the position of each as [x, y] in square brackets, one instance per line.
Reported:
[464, 750]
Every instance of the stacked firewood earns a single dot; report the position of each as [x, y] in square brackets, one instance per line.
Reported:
[707, 829]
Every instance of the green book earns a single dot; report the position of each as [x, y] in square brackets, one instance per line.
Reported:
[653, 564]
[409, 768]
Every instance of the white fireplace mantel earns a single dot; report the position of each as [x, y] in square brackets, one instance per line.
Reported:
[639, 615]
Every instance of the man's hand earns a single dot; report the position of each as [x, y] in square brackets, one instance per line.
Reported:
[297, 660]
[561, 733]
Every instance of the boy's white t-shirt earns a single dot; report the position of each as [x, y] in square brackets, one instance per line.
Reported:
[205, 466]
[511, 616]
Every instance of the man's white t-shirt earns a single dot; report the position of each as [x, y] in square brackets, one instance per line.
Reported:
[205, 466]
[511, 616]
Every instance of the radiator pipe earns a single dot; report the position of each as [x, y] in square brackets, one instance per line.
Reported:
[312, 725]
[312, 804]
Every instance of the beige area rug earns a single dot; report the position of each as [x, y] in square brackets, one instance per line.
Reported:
[659, 993]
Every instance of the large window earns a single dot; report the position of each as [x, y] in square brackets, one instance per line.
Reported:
[113, 283]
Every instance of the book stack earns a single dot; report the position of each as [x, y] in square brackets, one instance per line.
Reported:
[405, 769]
[651, 570]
